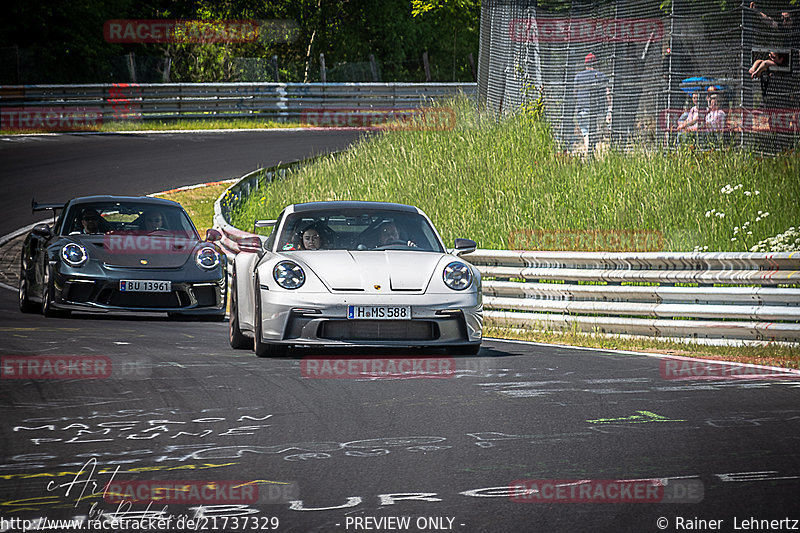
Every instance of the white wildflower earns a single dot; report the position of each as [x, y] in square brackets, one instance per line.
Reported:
[747, 193]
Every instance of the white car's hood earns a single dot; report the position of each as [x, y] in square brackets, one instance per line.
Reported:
[396, 270]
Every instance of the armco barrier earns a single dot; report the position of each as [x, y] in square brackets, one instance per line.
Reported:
[747, 296]
[234, 239]
[19, 104]
[701, 295]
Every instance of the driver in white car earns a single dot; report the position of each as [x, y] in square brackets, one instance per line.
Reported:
[389, 235]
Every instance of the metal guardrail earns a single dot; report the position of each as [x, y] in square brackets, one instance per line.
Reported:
[237, 193]
[127, 101]
[698, 295]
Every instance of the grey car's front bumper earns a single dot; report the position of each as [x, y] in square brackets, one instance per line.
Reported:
[202, 295]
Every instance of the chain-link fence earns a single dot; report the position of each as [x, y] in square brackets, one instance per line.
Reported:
[626, 72]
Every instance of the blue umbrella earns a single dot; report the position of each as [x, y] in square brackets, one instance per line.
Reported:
[697, 83]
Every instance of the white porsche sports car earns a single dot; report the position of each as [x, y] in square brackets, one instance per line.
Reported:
[355, 274]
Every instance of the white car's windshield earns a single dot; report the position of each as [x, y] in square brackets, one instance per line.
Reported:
[358, 229]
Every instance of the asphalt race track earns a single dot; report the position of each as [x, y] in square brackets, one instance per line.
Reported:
[55, 168]
[293, 447]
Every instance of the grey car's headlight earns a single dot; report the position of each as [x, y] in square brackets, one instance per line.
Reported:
[289, 275]
[457, 276]
[207, 258]
[74, 254]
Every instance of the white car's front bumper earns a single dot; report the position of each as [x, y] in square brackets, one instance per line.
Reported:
[321, 319]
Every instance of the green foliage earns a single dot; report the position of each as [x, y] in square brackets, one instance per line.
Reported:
[65, 44]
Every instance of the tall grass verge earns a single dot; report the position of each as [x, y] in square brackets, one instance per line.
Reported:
[488, 178]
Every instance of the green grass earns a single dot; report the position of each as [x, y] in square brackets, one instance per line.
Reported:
[199, 203]
[486, 179]
[780, 355]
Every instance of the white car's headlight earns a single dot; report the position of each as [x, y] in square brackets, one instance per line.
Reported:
[207, 258]
[457, 276]
[74, 254]
[289, 275]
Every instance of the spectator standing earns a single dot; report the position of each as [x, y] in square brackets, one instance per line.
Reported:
[590, 84]
[715, 117]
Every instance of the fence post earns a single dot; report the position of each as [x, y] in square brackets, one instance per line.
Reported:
[373, 67]
[426, 65]
[275, 66]
[323, 73]
[167, 69]
[131, 60]
[472, 67]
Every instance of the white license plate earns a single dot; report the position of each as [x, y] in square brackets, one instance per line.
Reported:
[145, 286]
[378, 312]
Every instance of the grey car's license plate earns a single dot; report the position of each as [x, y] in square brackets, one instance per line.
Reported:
[378, 312]
[145, 286]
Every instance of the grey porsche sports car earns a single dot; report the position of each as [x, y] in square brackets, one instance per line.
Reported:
[106, 253]
[355, 274]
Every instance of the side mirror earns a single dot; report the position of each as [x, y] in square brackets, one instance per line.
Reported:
[250, 244]
[263, 224]
[42, 230]
[213, 235]
[465, 246]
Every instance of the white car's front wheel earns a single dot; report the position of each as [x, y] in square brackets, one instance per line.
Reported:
[237, 339]
[264, 349]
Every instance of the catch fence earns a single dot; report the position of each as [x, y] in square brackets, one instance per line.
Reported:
[650, 59]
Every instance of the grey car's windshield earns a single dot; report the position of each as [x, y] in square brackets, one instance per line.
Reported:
[358, 230]
[127, 217]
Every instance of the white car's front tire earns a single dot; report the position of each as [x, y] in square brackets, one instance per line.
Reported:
[264, 349]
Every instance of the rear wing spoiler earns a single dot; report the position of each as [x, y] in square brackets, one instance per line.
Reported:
[35, 206]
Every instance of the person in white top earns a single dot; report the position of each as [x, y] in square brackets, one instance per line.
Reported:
[715, 117]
